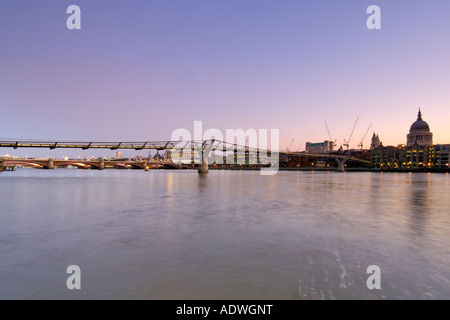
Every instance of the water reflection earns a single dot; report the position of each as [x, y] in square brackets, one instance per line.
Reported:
[418, 203]
[376, 197]
[202, 182]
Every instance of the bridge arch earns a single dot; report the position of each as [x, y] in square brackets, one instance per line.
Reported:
[74, 164]
[23, 163]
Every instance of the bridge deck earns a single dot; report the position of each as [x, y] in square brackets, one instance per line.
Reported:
[155, 145]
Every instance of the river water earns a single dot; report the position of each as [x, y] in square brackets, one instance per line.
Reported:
[228, 235]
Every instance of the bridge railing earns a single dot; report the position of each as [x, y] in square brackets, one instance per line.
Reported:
[223, 146]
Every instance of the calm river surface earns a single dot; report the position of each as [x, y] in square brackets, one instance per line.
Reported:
[227, 235]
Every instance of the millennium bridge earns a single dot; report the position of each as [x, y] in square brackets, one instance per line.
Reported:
[204, 148]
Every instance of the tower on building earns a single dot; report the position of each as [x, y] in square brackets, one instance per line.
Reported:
[375, 142]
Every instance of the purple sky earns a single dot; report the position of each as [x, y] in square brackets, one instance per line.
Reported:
[137, 70]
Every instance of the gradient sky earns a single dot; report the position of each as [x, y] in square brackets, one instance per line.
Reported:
[140, 69]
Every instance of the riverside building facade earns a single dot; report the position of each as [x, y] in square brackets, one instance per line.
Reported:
[419, 151]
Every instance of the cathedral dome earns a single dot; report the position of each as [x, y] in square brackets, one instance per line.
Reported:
[419, 125]
[419, 133]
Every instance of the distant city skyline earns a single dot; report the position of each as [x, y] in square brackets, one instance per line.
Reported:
[138, 71]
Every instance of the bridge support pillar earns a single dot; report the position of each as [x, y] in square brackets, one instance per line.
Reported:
[145, 166]
[341, 162]
[203, 152]
[50, 164]
[203, 167]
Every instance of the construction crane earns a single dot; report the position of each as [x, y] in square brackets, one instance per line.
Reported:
[347, 143]
[299, 146]
[328, 130]
[290, 146]
[360, 145]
